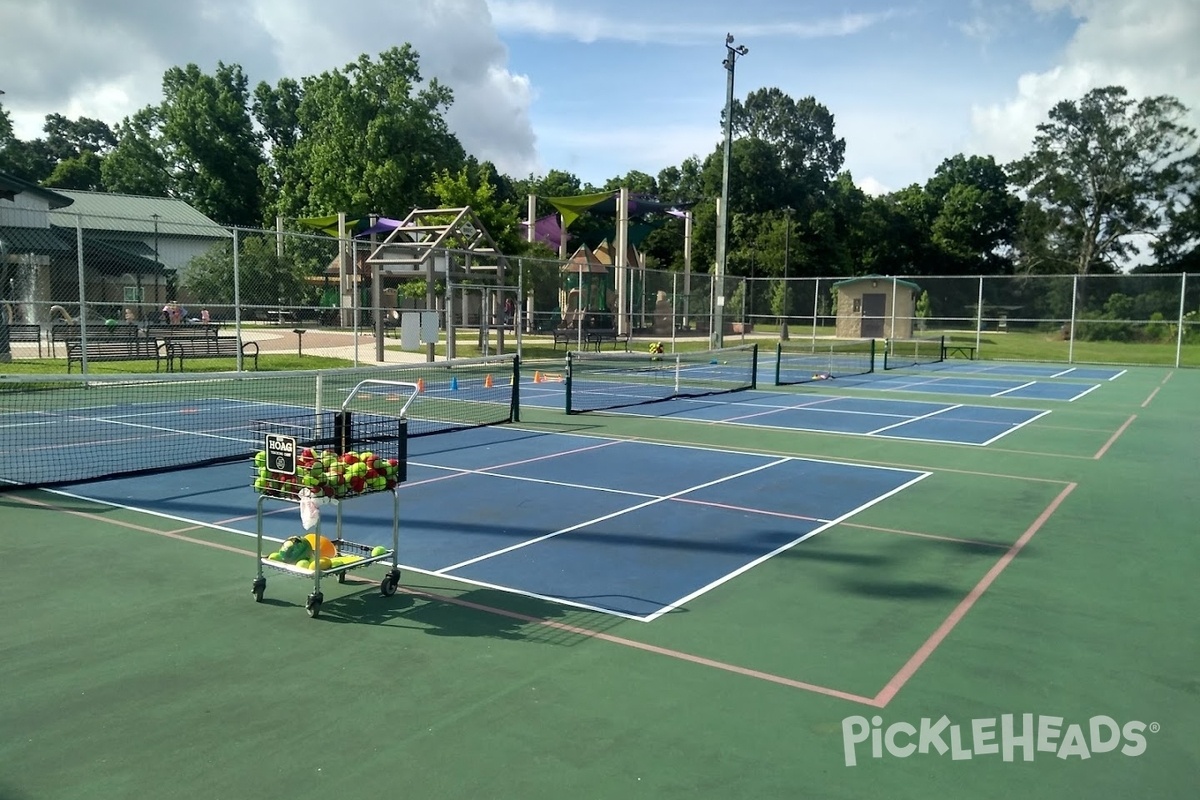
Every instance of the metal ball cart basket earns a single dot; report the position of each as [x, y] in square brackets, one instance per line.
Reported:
[334, 457]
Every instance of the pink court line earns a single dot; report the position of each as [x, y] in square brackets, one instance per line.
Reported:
[650, 648]
[579, 631]
[954, 539]
[731, 507]
[876, 463]
[774, 410]
[1100, 453]
[918, 658]
[1146, 402]
[455, 473]
[135, 527]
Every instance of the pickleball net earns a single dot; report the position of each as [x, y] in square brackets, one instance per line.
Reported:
[62, 429]
[900, 353]
[805, 362]
[599, 381]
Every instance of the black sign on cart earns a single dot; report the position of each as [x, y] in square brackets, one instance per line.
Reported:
[281, 453]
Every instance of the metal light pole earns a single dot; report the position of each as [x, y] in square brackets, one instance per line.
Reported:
[717, 337]
[787, 246]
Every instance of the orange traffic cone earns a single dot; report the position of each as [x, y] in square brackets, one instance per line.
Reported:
[487, 382]
[537, 377]
[420, 384]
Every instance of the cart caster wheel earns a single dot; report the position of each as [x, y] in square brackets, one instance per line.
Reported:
[388, 585]
[260, 586]
[313, 604]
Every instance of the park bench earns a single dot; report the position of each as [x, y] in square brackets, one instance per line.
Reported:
[113, 349]
[73, 332]
[188, 331]
[565, 336]
[218, 347]
[597, 336]
[963, 350]
[26, 332]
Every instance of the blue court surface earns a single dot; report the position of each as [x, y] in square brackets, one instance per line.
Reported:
[628, 528]
[945, 423]
[947, 382]
[1019, 370]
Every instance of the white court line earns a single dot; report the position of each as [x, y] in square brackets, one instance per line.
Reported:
[1018, 426]
[1013, 389]
[745, 567]
[1064, 372]
[446, 570]
[1119, 374]
[913, 419]
[1089, 390]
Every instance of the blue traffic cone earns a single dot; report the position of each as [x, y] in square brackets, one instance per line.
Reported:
[454, 383]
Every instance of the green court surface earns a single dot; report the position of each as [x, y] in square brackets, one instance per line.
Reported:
[1051, 574]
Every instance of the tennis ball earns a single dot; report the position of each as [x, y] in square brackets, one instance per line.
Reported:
[326, 563]
[275, 557]
[260, 459]
[303, 563]
[260, 485]
[379, 551]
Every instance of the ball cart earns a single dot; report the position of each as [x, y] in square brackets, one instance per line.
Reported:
[331, 458]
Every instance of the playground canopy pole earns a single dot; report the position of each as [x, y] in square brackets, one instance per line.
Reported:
[621, 262]
[687, 265]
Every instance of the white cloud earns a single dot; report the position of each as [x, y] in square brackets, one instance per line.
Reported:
[872, 187]
[107, 59]
[1149, 48]
[544, 18]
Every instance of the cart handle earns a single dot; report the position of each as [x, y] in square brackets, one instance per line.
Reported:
[416, 389]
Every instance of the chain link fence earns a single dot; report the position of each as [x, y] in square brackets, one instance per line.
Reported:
[265, 284]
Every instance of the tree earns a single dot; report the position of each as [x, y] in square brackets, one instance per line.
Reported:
[501, 219]
[799, 133]
[274, 278]
[976, 217]
[138, 165]
[363, 139]
[213, 151]
[1106, 168]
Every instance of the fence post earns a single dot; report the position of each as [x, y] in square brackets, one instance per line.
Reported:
[892, 331]
[1074, 301]
[237, 291]
[979, 317]
[83, 328]
[674, 302]
[1179, 333]
[816, 301]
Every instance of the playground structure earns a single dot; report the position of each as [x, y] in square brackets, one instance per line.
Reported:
[606, 287]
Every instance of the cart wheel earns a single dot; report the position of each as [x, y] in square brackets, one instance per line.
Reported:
[341, 577]
[260, 585]
[388, 585]
[313, 604]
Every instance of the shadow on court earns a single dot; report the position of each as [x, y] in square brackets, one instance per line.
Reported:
[507, 616]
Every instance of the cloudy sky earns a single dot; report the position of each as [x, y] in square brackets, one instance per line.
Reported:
[603, 87]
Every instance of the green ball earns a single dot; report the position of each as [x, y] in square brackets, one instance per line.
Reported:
[379, 551]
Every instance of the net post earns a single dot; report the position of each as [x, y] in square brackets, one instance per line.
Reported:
[514, 411]
[402, 448]
[778, 362]
[872, 364]
[754, 365]
[677, 362]
[316, 405]
[942, 347]
[567, 383]
[343, 435]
